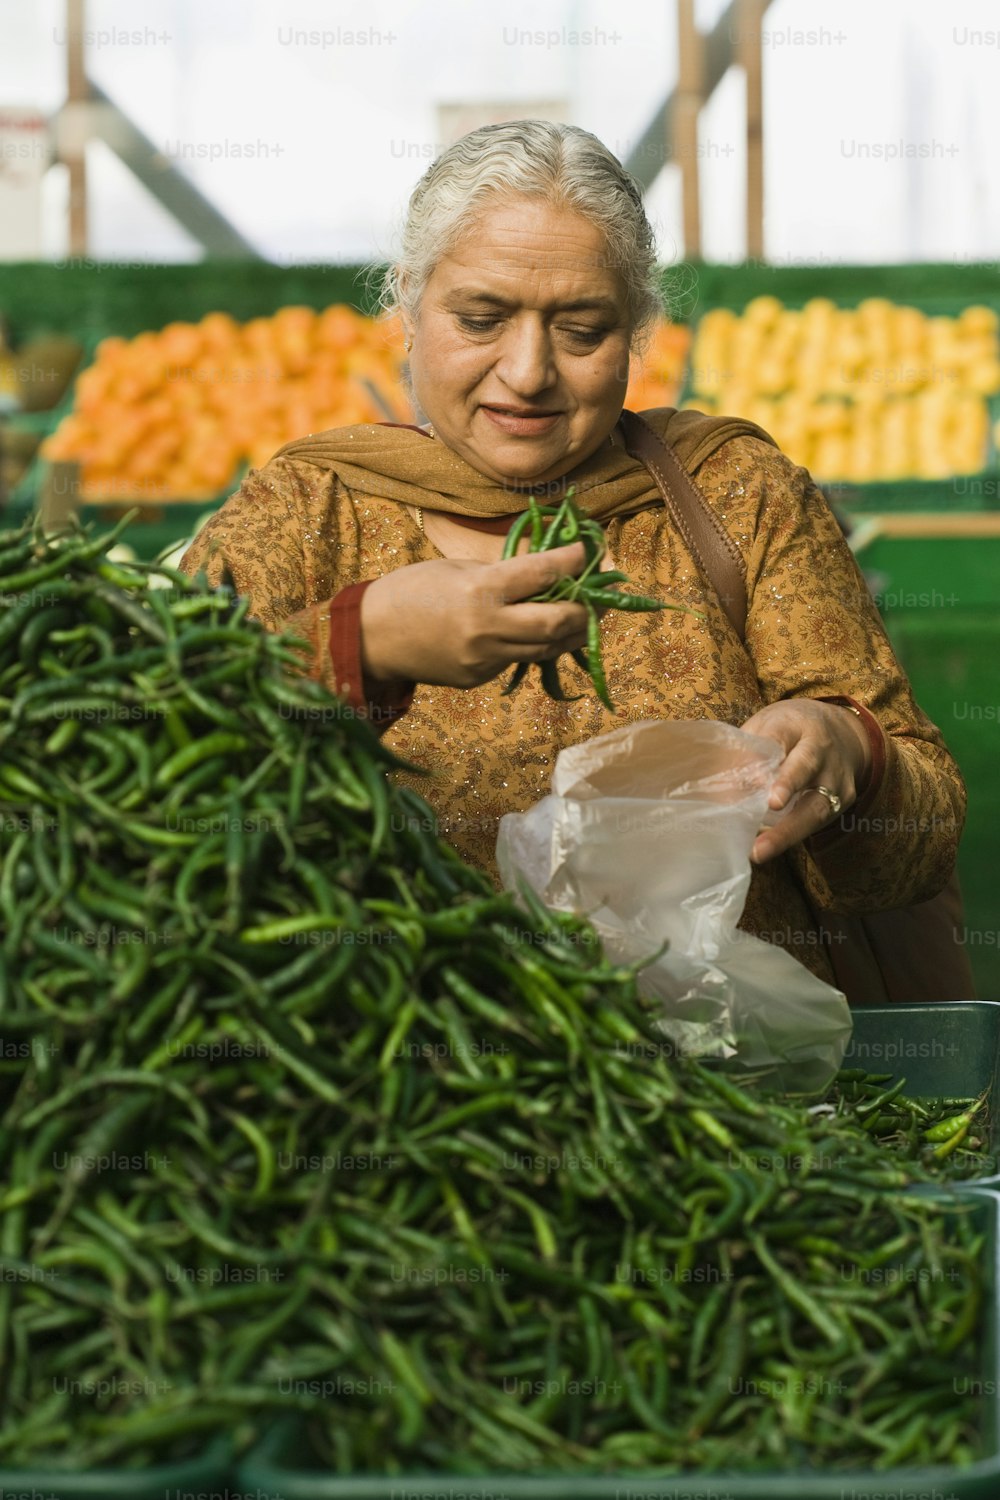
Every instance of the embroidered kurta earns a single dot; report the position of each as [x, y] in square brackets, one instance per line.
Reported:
[295, 535]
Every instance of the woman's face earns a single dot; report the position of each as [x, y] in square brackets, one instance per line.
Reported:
[521, 343]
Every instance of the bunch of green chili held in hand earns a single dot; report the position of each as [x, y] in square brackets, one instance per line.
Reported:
[592, 588]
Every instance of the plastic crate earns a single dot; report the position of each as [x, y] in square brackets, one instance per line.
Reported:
[278, 1468]
[208, 1474]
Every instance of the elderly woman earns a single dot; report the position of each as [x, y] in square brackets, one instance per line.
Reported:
[526, 281]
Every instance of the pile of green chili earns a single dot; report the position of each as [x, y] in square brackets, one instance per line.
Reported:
[298, 1114]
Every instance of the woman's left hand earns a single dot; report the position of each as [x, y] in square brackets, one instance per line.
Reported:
[825, 745]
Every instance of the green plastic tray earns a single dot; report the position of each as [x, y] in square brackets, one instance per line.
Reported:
[964, 492]
[207, 1475]
[278, 1468]
[942, 1051]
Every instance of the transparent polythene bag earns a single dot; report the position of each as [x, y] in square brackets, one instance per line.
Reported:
[647, 831]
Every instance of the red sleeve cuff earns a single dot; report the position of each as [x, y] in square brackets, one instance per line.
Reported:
[869, 791]
[381, 709]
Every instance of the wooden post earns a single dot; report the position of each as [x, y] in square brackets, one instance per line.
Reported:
[749, 56]
[77, 93]
[688, 101]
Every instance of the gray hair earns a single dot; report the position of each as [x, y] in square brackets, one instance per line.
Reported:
[560, 164]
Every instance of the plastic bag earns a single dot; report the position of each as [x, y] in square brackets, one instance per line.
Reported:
[648, 832]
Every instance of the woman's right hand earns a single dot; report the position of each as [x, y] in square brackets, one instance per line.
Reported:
[457, 623]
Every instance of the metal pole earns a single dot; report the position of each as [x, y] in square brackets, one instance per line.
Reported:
[688, 101]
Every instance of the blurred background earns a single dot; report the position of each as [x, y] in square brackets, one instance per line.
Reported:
[192, 197]
[338, 106]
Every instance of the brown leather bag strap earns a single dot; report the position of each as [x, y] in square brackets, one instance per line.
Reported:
[706, 537]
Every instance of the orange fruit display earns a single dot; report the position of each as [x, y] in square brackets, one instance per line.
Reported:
[175, 414]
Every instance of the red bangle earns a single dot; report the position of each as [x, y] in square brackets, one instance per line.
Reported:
[345, 654]
[876, 743]
[867, 792]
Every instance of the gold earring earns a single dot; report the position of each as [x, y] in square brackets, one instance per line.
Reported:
[407, 345]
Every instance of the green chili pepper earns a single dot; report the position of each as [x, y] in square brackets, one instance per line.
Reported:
[946, 1129]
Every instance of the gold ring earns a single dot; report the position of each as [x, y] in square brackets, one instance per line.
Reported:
[831, 797]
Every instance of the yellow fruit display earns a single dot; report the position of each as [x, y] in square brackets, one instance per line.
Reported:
[176, 413]
[874, 392]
